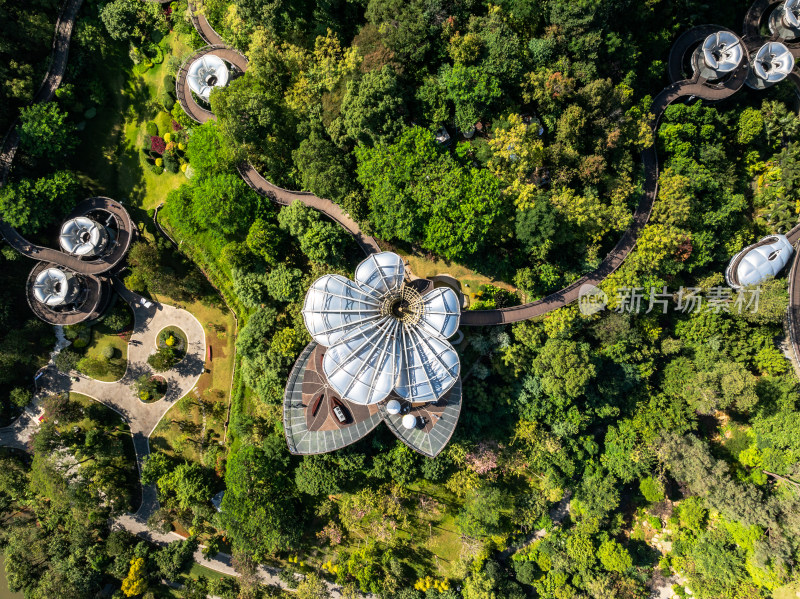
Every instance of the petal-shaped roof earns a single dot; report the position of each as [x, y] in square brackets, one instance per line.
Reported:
[362, 366]
[206, 73]
[791, 13]
[429, 367]
[723, 51]
[381, 273]
[773, 62]
[382, 335]
[441, 312]
[334, 305]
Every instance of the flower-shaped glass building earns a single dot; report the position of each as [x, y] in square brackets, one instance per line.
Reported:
[379, 340]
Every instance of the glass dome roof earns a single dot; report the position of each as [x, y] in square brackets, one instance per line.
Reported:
[382, 335]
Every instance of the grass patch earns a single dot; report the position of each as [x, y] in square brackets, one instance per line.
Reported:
[195, 427]
[103, 342]
[470, 280]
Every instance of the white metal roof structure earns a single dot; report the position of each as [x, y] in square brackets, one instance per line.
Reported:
[791, 13]
[382, 335]
[54, 287]
[82, 236]
[205, 73]
[722, 52]
[772, 63]
[759, 262]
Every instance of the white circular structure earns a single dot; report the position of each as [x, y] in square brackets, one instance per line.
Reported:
[791, 13]
[393, 406]
[382, 335]
[759, 262]
[206, 73]
[409, 421]
[772, 63]
[722, 53]
[54, 287]
[82, 236]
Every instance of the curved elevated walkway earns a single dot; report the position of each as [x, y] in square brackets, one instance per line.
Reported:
[52, 79]
[184, 92]
[202, 25]
[284, 197]
[94, 299]
[126, 231]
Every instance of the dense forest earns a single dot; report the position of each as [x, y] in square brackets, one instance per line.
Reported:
[601, 455]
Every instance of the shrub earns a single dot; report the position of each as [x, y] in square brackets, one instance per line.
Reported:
[159, 161]
[171, 163]
[169, 83]
[176, 126]
[163, 359]
[20, 397]
[152, 128]
[652, 489]
[66, 360]
[156, 169]
[157, 144]
[80, 342]
[119, 318]
[166, 99]
[108, 352]
[167, 137]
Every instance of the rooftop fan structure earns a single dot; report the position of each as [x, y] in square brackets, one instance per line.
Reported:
[772, 63]
[721, 53]
[54, 287]
[206, 73]
[83, 236]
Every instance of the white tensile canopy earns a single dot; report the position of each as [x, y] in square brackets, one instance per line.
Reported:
[54, 287]
[773, 62]
[82, 236]
[722, 51]
[761, 263]
[381, 335]
[206, 73]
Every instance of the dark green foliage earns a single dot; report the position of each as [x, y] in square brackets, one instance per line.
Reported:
[164, 359]
[30, 205]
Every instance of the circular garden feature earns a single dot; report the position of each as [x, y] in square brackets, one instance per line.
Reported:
[150, 388]
[173, 338]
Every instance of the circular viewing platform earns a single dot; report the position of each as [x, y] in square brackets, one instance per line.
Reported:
[89, 302]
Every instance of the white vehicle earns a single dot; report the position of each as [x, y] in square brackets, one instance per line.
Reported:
[339, 414]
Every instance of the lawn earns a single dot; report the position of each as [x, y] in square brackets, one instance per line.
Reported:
[111, 157]
[102, 338]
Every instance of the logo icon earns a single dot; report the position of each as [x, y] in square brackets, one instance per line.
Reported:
[591, 299]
